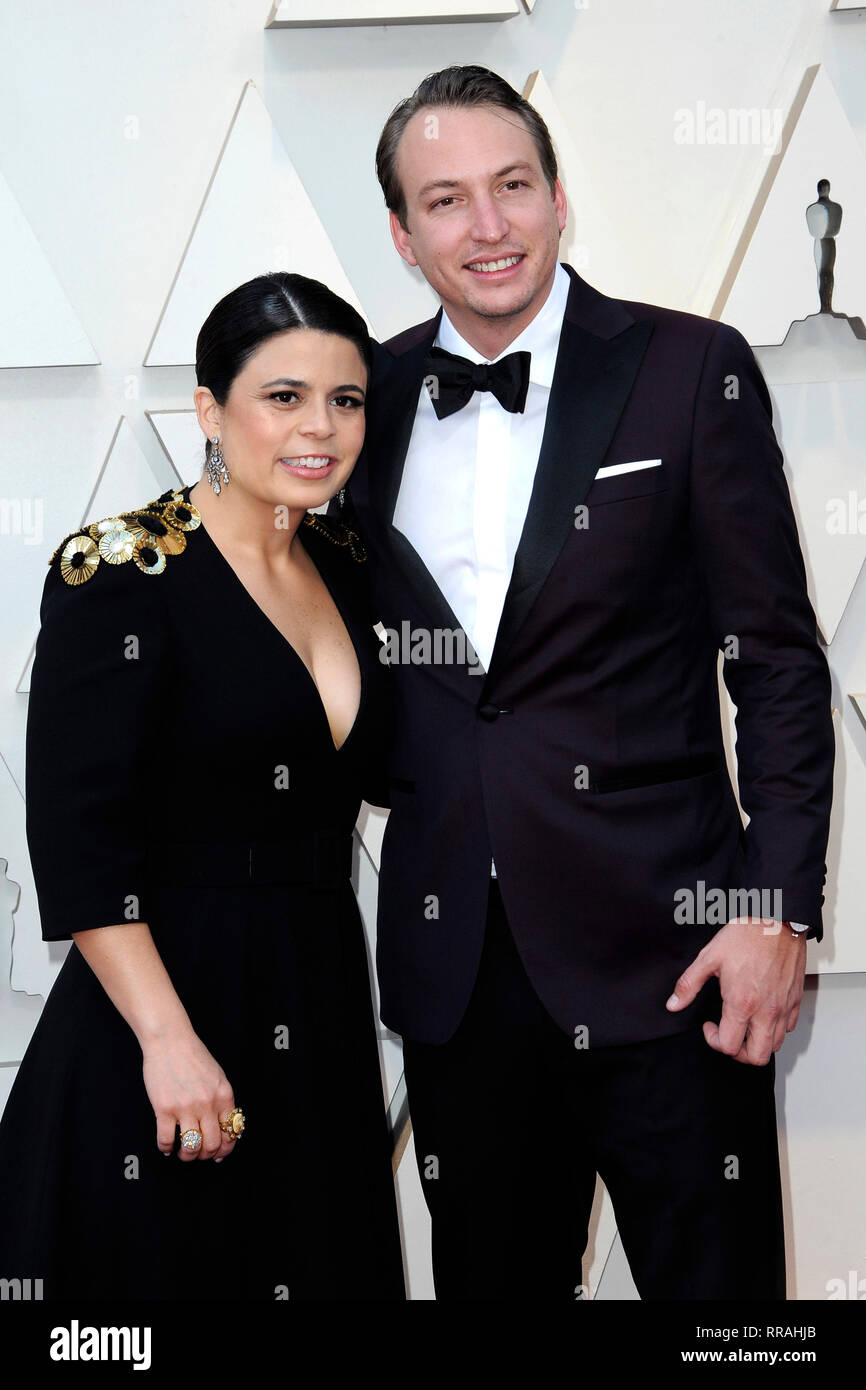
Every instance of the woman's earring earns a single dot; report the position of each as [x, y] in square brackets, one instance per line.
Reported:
[341, 497]
[216, 468]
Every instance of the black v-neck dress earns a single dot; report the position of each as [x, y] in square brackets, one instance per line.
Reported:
[181, 772]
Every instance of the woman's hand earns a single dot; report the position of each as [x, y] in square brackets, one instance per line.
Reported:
[187, 1087]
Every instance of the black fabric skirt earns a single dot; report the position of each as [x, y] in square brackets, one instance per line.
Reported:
[275, 981]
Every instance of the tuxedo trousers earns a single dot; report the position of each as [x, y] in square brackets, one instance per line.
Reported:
[512, 1121]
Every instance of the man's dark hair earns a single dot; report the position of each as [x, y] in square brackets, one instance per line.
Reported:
[456, 86]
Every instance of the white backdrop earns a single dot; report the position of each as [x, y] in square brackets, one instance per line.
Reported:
[141, 178]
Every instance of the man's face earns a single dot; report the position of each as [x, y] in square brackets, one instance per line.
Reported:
[476, 195]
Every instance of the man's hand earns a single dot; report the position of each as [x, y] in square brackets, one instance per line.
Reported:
[761, 968]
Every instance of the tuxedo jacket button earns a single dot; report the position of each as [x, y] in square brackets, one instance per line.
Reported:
[491, 712]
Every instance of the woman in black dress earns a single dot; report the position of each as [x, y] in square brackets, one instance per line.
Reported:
[207, 711]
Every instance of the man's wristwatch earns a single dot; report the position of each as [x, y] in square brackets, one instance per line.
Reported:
[797, 928]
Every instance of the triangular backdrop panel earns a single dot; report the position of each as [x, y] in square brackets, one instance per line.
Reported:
[38, 325]
[589, 242]
[415, 1227]
[371, 828]
[19, 1011]
[125, 480]
[293, 14]
[28, 965]
[616, 1283]
[849, 666]
[602, 1239]
[182, 441]
[365, 880]
[821, 427]
[776, 281]
[255, 217]
[844, 947]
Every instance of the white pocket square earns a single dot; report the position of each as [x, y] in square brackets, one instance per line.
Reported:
[627, 467]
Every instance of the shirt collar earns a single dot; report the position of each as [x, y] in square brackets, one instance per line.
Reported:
[540, 337]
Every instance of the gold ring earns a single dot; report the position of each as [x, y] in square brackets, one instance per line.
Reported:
[234, 1123]
[191, 1139]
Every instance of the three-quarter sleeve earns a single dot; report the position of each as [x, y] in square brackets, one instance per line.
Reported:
[97, 680]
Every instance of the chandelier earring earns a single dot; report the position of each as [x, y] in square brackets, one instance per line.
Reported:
[217, 473]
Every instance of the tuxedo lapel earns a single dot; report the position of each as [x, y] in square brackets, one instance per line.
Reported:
[600, 351]
[398, 387]
[398, 384]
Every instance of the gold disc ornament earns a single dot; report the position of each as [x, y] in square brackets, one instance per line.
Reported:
[79, 560]
[116, 545]
[148, 553]
[182, 515]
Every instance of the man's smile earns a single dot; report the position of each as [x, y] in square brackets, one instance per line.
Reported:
[495, 267]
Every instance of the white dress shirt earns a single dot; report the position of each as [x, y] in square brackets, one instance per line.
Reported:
[467, 479]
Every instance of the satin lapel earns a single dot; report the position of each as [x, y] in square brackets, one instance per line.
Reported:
[397, 387]
[591, 383]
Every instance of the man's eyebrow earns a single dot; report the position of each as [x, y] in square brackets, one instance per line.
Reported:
[455, 183]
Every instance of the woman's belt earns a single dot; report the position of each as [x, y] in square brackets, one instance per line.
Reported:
[319, 860]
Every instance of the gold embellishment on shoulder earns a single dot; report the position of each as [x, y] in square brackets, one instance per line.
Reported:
[338, 532]
[116, 544]
[173, 542]
[148, 553]
[180, 514]
[147, 535]
[79, 560]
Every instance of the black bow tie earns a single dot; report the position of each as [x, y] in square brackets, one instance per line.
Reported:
[455, 378]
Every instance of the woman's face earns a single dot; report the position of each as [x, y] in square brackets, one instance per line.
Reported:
[293, 422]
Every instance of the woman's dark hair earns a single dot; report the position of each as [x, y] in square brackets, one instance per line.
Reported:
[456, 86]
[272, 303]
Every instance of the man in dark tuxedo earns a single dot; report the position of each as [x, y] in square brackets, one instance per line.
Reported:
[591, 962]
